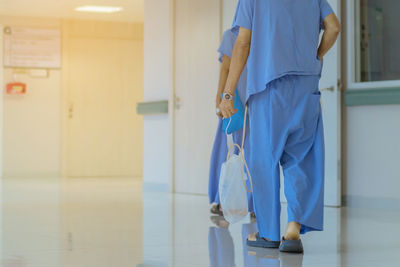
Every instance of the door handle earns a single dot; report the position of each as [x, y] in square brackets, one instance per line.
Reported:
[71, 111]
[178, 102]
[331, 89]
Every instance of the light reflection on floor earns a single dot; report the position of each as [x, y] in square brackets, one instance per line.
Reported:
[110, 222]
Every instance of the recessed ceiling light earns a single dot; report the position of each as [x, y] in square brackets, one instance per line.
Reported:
[99, 9]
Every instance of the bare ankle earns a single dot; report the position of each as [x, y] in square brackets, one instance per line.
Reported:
[292, 236]
[292, 231]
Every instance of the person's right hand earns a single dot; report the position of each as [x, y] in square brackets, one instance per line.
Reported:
[219, 114]
[227, 108]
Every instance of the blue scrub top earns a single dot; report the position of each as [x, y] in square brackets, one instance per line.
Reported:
[285, 38]
[226, 48]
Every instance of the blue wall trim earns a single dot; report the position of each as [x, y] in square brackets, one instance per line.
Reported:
[380, 203]
[151, 108]
[155, 187]
[375, 96]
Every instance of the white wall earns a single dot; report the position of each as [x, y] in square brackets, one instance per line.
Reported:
[157, 86]
[32, 127]
[31, 133]
[228, 13]
[372, 147]
[373, 155]
[32, 123]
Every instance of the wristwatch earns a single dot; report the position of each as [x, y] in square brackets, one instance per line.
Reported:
[228, 96]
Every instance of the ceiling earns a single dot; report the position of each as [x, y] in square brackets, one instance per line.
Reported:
[133, 9]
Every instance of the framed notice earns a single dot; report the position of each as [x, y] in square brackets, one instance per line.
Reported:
[32, 48]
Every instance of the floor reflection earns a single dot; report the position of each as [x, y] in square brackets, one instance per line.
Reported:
[110, 222]
[221, 247]
[257, 257]
[222, 250]
[76, 222]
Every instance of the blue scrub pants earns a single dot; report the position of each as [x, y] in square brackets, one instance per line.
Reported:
[218, 156]
[286, 128]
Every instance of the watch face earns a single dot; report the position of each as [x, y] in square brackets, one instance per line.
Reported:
[227, 97]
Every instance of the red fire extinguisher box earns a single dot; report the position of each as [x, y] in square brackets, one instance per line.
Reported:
[16, 88]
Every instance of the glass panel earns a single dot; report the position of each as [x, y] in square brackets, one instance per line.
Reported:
[379, 53]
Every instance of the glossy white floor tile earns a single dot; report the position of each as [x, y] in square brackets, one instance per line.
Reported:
[110, 222]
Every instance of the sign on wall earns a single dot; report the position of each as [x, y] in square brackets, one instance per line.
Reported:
[32, 48]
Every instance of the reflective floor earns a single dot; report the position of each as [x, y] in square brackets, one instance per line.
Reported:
[110, 222]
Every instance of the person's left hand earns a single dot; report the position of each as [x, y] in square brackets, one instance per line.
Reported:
[227, 108]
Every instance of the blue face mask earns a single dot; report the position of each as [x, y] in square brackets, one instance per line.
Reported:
[235, 122]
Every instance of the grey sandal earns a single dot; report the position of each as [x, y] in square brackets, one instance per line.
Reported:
[263, 243]
[291, 246]
[215, 210]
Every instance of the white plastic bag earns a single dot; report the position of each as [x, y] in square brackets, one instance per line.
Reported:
[232, 183]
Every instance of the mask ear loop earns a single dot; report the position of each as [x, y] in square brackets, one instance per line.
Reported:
[227, 127]
[231, 148]
[229, 137]
[242, 154]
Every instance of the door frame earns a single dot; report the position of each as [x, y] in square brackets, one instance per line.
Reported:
[64, 101]
[340, 133]
[1, 98]
[172, 91]
[172, 97]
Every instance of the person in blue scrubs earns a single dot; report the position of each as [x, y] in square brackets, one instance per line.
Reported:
[279, 42]
[220, 149]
